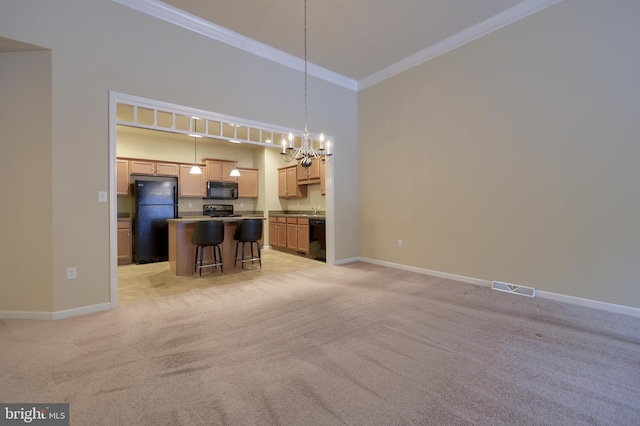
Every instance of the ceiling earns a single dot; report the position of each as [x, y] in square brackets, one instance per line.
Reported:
[359, 39]
[354, 43]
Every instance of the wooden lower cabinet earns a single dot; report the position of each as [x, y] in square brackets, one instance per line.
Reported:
[282, 232]
[289, 233]
[124, 242]
[303, 235]
[273, 231]
[292, 233]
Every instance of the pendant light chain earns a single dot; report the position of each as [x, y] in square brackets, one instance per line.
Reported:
[306, 131]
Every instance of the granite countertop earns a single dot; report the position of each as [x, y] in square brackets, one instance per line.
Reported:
[302, 214]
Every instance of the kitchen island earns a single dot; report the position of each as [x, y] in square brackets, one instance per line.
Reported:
[182, 252]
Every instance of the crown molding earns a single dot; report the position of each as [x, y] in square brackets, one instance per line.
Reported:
[198, 25]
[502, 19]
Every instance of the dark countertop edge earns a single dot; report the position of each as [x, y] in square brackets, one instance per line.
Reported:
[190, 219]
[299, 215]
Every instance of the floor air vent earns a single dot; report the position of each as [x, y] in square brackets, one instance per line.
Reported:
[512, 288]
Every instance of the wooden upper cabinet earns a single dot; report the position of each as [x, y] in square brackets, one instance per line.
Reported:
[122, 173]
[248, 183]
[142, 167]
[313, 176]
[219, 170]
[282, 183]
[153, 168]
[323, 179]
[167, 169]
[190, 185]
[288, 183]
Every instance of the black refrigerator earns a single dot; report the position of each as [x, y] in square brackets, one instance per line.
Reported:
[155, 202]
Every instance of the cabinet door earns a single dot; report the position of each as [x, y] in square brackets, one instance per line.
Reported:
[313, 175]
[227, 166]
[273, 231]
[124, 242]
[167, 169]
[220, 170]
[122, 177]
[282, 183]
[293, 189]
[292, 233]
[142, 167]
[191, 185]
[323, 169]
[282, 232]
[248, 183]
[303, 235]
[214, 170]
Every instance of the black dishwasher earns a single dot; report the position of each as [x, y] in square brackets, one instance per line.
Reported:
[317, 240]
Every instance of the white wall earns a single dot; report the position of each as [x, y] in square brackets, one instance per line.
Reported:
[514, 158]
[98, 46]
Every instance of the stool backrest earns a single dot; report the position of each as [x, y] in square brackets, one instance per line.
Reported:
[249, 230]
[208, 233]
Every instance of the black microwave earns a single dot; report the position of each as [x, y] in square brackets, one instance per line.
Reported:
[222, 190]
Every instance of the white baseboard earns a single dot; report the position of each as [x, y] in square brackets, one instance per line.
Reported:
[439, 274]
[349, 260]
[36, 315]
[596, 304]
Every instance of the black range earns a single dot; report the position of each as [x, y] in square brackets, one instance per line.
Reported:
[218, 210]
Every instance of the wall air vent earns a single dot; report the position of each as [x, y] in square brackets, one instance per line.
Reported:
[512, 288]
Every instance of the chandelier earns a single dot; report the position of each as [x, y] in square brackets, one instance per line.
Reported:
[306, 152]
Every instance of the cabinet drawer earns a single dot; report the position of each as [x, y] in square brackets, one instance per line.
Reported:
[292, 220]
[124, 224]
[282, 220]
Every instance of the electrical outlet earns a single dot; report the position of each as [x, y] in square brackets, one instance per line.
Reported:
[190, 205]
[102, 196]
[72, 273]
[241, 204]
[400, 243]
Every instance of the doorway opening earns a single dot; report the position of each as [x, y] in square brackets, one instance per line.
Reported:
[142, 114]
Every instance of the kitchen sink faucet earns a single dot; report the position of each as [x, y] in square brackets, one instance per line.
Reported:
[315, 211]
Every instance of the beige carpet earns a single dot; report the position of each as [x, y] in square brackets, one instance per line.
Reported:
[357, 344]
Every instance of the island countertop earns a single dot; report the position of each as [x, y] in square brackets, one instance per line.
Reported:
[198, 218]
[182, 251]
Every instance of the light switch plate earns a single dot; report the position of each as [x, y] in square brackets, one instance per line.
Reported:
[102, 196]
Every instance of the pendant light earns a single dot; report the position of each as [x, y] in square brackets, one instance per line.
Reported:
[235, 172]
[195, 170]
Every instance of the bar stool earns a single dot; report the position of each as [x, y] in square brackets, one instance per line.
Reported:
[248, 231]
[208, 233]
